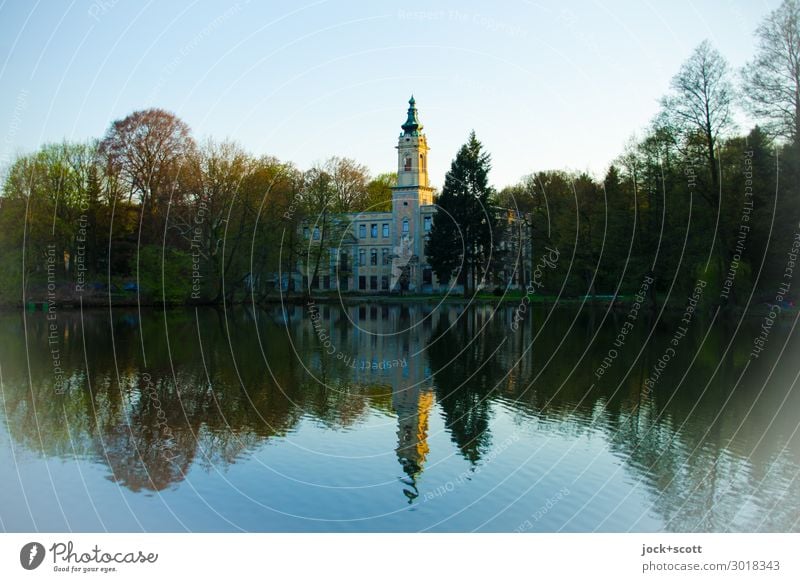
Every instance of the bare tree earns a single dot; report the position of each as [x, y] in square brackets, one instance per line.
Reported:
[146, 149]
[349, 180]
[319, 196]
[772, 79]
[700, 103]
[214, 179]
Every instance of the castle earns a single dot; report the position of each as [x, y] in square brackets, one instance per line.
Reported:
[382, 252]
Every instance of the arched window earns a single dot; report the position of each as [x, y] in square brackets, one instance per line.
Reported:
[422, 163]
[407, 164]
[405, 226]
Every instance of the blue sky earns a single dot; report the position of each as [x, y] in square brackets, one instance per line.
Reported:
[544, 84]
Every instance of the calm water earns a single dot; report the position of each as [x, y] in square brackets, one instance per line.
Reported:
[395, 418]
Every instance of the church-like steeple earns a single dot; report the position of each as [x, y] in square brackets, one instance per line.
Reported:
[412, 126]
[412, 158]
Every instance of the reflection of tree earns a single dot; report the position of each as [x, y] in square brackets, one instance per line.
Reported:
[142, 458]
[150, 432]
[701, 465]
[698, 463]
[464, 376]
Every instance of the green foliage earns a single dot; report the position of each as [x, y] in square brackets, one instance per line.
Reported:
[11, 277]
[165, 274]
[379, 193]
[465, 226]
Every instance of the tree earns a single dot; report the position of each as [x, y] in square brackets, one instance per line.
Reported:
[147, 149]
[466, 218]
[55, 194]
[772, 79]
[348, 182]
[379, 193]
[320, 195]
[700, 104]
[213, 182]
[444, 245]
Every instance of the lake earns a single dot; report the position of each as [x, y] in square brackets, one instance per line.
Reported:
[397, 417]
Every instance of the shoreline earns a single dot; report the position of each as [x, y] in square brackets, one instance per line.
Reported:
[602, 301]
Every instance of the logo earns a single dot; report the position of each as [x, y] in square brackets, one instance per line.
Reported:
[31, 555]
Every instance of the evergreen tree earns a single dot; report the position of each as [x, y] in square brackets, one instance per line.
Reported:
[465, 224]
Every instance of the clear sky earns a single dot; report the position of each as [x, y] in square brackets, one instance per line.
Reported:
[544, 84]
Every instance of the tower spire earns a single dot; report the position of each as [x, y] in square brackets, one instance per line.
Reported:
[412, 126]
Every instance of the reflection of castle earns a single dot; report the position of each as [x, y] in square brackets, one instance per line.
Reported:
[413, 407]
[381, 346]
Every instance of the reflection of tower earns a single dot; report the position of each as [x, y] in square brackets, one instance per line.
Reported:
[413, 407]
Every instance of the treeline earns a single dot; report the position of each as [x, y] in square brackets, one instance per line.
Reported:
[694, 197]
[148, 214]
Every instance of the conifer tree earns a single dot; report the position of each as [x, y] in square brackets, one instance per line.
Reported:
[461, 236]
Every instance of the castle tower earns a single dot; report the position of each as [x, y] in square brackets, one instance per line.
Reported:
[409, 195]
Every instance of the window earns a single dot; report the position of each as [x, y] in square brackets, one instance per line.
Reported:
[373, 230]
[421, 163]
[362, 231]
[306, 232]
[362, 282]
[373, 282]
[316, 233]
[385, 283]
[373, 257]
[362, 260]
[426, 223]
[407, 164]
[326, 282]
[384, 256]
[343, 266]
[386, 230]
[405, 226]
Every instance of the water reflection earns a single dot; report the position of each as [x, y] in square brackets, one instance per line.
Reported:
[152, 397]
